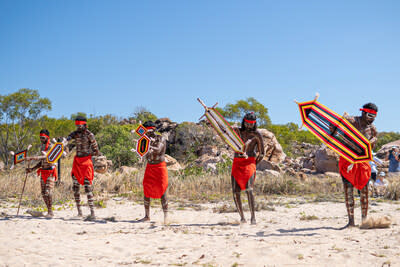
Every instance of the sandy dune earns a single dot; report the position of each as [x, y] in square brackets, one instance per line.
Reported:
[200, 237]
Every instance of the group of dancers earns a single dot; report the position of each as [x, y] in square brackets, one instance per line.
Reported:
[155, 181]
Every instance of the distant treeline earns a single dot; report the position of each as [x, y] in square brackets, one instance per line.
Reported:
[23, 115]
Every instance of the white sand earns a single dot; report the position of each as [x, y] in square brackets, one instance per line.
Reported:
[201, 238]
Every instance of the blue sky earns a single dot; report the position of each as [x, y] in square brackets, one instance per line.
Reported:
[109, 57]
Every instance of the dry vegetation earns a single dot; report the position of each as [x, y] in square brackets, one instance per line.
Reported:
[195, 188]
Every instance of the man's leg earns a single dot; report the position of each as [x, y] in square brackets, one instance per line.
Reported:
[89, 193]
[250, 197]
[349, 199]
[236, 198]
[164, 204]
[77, 196]
[48, 193]
[364, 202]
[43, 191]
[146, 202]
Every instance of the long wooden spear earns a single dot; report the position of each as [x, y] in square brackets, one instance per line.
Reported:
[23, 188]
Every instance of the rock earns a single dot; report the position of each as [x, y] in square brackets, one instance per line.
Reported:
[172, 164]
[271, 173]
[306, 171]
[205, 160]
[127, 170]
[209, 150]
[267, 165]
[326, 160]
[2, 166]
[332, 174]
[273, 150]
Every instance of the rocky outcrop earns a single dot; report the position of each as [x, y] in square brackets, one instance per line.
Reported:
[172, 164]
[273, 150]
[326, 160]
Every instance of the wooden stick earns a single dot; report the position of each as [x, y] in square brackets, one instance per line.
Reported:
[23, 188]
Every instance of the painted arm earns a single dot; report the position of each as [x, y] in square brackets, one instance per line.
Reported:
[374, 138]
[94, 145]
[260, 148]
[159, 147]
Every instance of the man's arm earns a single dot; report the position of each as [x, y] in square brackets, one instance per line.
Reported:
[93, 145]
[161, 145]
[260, 147]
[374, 138]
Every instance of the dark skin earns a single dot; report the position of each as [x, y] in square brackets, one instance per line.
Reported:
[364, 124]
[254, 147]
[155, 155]
[44, 141]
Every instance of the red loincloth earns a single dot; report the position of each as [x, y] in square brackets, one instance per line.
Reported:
[47, 173]
[358, 176]
[83, 168]
[243, 169]
[155, 180]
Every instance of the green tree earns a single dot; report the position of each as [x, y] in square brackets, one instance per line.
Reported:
[142, 114]
[242, 107]
[386, 137]
[289, 133]
[20, 113]
[116, 142]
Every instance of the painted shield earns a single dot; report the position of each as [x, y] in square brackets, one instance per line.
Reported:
[141, 130]
[335, 131]
[19, 157]
[142, 146]
[55, 153]
[224, 130]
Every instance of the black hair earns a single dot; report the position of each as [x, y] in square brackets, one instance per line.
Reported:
[45, 131]
[149, 124]
[371, 106]
[80, 118]
[252, 117]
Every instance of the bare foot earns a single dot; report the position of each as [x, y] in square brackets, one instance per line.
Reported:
[49, 215]
[253, 221]
[90, 218]
[243, 220]
[145, 219]
[349, 225]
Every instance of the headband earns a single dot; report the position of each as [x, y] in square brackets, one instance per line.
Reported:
[368, 110]
[45, 135]
[250, 121]
[80, 122]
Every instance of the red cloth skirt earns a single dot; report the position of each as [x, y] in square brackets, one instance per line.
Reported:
[358, 176]
[155, 180]
[243, 169]
[83, 168]
[47, 173]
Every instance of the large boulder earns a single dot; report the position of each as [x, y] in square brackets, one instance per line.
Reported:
[172, 164]
[273, 150]
[268, 165]
[326, 160]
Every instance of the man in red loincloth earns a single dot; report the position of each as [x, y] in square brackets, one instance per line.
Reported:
[82, 168]
[244, 165]
[47, 172]
[357, 175]
[155, 181]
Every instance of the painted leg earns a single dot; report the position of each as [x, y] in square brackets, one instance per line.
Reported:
[236, 198]
[250, 196]
[77, 196]
[164, 204]
[349, 198]
[90, 198]
[48, 193]
[146, 210]
[364, 202]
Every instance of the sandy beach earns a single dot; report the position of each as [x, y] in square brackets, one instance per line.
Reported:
[291, 233]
